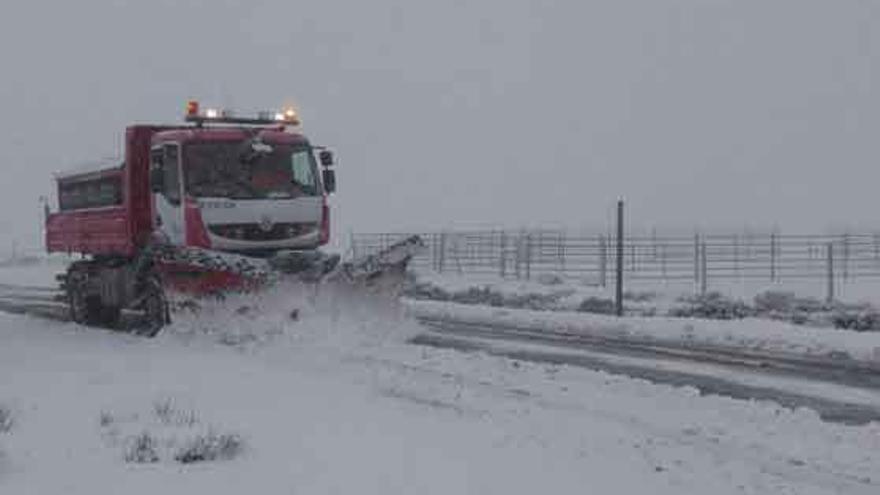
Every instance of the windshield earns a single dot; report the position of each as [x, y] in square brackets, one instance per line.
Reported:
[245, 170]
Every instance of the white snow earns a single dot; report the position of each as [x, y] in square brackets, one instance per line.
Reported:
[751, 333]
[37, 271]
[337, 402]
[561, 316]
[662, 294]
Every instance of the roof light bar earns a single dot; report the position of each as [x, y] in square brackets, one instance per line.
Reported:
[288, 116]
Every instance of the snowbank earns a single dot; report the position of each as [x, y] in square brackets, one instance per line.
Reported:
[749, 334]
[861, 290]
[332, 399]
[337, 401]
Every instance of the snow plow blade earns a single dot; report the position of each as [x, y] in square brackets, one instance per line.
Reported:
[391, 261]
[302, 266]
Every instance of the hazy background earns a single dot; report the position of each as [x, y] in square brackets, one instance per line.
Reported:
[702, 113]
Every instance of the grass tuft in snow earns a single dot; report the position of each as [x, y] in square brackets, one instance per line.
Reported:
[167, 433]
[713, 306]
[142, 449]
[210, 447]
[597, 305]
[168, 414]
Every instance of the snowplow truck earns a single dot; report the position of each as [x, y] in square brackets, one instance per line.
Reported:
[214, 204]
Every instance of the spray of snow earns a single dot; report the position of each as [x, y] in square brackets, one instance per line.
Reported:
[333, 317]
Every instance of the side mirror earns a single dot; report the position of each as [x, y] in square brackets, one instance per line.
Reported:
[46, 210]
[326, 158]
[157, 179]
[328, 177]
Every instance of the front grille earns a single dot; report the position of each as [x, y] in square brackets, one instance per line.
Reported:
[253, 231]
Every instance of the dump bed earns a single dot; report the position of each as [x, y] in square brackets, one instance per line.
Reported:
[106, 211]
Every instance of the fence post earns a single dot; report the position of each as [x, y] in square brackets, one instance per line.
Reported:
[697, 258]
[434, 265]
[736, 254]
[663, 262]
[830, 272]
[632, 256]
[517, 255]
[845, 257]
[352, 244]
[773, 256]
[528, 256]
[877, 248]
[654, 250]
[603, 262]
[456, 244]
[441, 261]
[704, 268]
[619, 292]
[502, 254]
[563, 242]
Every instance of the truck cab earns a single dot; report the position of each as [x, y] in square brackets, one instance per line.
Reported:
[249, 189]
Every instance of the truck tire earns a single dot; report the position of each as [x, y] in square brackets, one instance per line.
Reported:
[88, 310]
[83, 308]
[109, 317]
[80, 306]
[155, 306]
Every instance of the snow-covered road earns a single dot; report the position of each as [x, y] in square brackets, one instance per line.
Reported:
[338, 402]
[832, 401]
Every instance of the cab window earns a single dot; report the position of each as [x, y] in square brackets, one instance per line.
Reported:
[171, 168]
[303, 168]
[92, 193]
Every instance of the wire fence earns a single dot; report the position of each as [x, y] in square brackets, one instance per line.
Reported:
[704, 259]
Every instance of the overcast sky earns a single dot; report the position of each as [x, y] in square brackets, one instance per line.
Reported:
[702, 113]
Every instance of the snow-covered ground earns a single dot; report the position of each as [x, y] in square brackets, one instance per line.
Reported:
[37, 271]
[751, 334]
[337, 402]
[649, 295]
[559, 310]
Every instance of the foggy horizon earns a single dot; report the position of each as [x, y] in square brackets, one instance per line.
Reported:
[716, 115]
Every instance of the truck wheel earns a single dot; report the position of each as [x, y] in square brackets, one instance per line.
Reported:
[155, 308]
[109, 316]
[78, 305]
[88, 310]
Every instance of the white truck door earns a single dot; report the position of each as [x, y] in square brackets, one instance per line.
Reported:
[169, 210]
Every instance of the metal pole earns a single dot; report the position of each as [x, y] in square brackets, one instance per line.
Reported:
[528, 256]
[830, 274]
[736, 254]
[503, 254]
[654, 250]
[353, 244]
[518, 254]
[562, 244]
[663, 262]
[456, 244]
[773, 257]
[434, 264]
[603, 262]
[704, 265]
[876, 247]
[697, 258]
[619, 293]
[442, 256]
[632, 256]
